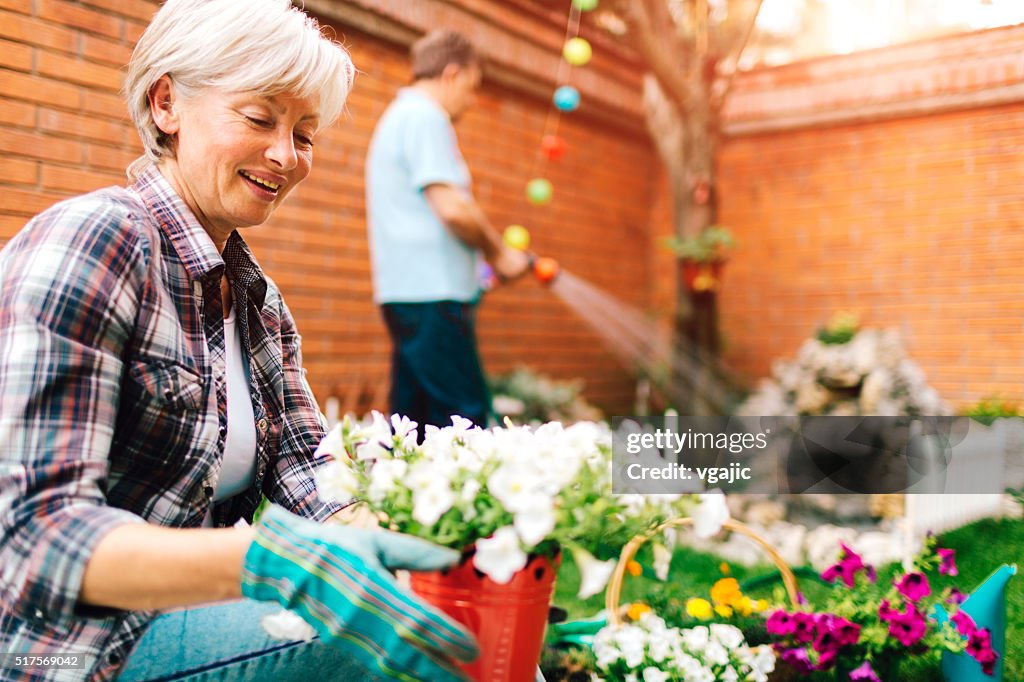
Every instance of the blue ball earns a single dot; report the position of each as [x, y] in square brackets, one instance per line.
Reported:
[566, 98]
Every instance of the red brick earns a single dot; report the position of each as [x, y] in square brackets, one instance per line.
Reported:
[79, 71]
[15, 56]
[39, 146]
[9, 226]
[28, 203]
[28, 30]
[99, 49]
[135, 9]
[18, 171]
[98, 156]
[37, 89]
[73, 179]
[22, 6]
[21, 114]
[78, 17]
[108, 104]
[76, 125]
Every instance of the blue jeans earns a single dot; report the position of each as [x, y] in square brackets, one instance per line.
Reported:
[225, 642]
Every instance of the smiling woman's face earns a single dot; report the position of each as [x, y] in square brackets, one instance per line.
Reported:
[238, 155]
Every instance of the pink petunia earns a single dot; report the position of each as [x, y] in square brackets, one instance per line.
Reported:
[956, 596]
[948, 565]
[799, 660]
[864, 673]
[886, 613]
[780, 623]
[965, 625]
[914, 586]
[908, 628]
[850, 564]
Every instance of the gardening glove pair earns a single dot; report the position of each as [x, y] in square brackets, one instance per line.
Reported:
[337, 579]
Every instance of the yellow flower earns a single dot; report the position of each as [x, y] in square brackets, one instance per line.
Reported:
[726, 592]
[636, 610]
[723, 611]
[724, 568]
[760, 605]
[634, 568]
[745, 606]
[698, 608]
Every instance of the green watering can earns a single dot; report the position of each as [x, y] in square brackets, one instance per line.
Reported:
[987, 606]
[578, 633]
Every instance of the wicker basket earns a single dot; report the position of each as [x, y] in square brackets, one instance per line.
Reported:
[614, 592]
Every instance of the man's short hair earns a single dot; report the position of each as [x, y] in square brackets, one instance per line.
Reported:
[436, 50]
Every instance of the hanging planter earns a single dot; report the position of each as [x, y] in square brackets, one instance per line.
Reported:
[702, 257]
[507, 620]
[702, 277]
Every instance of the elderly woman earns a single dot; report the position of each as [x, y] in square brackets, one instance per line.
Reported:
[152, 392]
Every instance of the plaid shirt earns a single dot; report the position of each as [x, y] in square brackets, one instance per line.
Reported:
[109, 406]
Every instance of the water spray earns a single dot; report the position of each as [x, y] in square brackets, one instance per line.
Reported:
[544, 269]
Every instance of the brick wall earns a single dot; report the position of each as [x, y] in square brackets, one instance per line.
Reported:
[888, 183]
[63, 131]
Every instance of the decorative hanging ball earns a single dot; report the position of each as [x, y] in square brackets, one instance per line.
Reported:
[584, 5]
[517, 237]
[577, 51]
[566, 98]
[545, 269]
[553, 147]
[538, 191]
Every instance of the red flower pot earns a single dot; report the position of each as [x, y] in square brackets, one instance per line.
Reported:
[508, 620]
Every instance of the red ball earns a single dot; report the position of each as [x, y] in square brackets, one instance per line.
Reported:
[553, 147]
[545, 269]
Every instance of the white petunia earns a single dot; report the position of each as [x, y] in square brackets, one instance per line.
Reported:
[729, 675]
[652, 674]
[715, 654]
[405, 430]
[375, 439]
[728, 636]
[515, 485]
[430, 502]
[594, 574]
[662, 560]
[333, 445]
[696, 638]
[710, 514]
[287, 625]
[336, 482]
[533, 525]
[500, 556]
[384, 477]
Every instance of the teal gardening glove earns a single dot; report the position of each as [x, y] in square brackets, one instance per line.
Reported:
[336, 578]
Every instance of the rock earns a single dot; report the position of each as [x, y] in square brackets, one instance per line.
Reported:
[811, 397]
[823, 542]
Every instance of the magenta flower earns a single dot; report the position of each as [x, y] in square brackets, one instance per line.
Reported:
[987, 659]
[948, 565]
[956, 596]
[979, 647]
[804, 629]
[965, 625]
[849, 565]
[827, 660]
[798, 659]
[914, 586]
[886, 613]
[908, 628]
[865, 673]
[780, 623]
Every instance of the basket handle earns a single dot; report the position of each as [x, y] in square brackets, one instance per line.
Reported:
[614, 592]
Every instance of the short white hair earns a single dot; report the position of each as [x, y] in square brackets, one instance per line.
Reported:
[262, 46]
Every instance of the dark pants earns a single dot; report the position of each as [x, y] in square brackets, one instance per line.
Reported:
[435, 366]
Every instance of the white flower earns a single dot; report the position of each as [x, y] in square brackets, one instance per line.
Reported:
[430, 502]
[762, 663]
[376, 439]
[405, 430]
[287, 625]
[631, 641]
[729, 674]
[594, 574]
[332, 445]
[533, 525]
[729, 636]
[696, 638]
[715, 654]
[652, 674]
[662, 560]
[336, 482]
[710, 514]
[384, 477]
[515, 485]
[500, 556]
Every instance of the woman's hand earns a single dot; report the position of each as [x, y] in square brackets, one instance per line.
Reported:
[337, 579]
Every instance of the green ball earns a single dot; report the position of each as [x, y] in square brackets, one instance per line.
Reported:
[538, 191]
[584, 5]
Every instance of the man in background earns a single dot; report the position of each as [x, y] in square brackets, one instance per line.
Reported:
[426, 232]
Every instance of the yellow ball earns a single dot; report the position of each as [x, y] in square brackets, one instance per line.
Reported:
[517, 237]
[577, 51]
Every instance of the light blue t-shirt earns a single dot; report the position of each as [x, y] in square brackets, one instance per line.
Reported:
[415, 257]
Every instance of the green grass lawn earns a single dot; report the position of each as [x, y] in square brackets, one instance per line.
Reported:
[981, 548]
